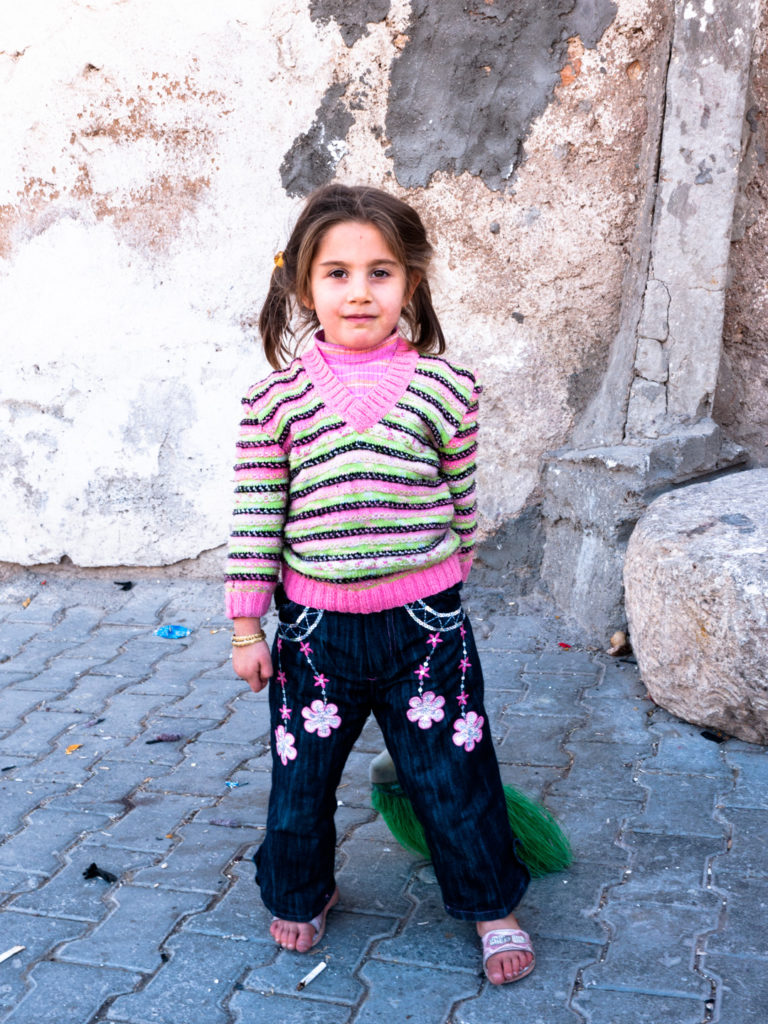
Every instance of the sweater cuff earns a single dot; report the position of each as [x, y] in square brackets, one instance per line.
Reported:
[247, 604]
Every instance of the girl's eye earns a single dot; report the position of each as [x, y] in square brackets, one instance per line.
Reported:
[380, 273]
[337, 273]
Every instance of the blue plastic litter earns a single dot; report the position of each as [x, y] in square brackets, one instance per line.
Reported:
[172, 632]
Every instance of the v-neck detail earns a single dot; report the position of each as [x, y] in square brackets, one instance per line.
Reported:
[361, 413]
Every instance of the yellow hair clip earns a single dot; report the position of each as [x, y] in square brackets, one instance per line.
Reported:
[279, 261]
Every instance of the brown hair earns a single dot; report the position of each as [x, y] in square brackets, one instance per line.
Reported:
[284, 311]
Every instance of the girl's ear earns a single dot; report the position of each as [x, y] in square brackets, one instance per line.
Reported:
[413, 283]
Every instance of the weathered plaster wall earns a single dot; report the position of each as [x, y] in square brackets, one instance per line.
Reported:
[154, 159]
[741, 400]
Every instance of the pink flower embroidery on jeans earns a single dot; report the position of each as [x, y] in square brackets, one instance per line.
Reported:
[284, 745]
[426, 709]
[469, 730]
[321, 718]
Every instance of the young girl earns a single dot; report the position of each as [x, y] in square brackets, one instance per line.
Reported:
[355, 485]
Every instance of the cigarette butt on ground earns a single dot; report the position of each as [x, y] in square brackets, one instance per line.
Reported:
[311, 976]
[17, 949]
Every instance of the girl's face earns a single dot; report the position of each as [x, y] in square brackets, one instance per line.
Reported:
[357, 287]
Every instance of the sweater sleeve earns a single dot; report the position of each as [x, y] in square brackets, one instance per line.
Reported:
[256, 539]
[458, 467]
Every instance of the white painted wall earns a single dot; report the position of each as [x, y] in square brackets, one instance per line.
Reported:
[141, 204]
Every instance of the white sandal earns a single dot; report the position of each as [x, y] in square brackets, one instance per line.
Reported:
[508, 940]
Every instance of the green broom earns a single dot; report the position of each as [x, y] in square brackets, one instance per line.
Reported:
[543, 846]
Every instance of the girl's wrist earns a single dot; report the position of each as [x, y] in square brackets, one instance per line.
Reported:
[247, 631]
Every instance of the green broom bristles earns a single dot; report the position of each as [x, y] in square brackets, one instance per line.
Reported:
[543, 847]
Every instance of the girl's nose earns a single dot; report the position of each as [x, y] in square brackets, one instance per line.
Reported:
[358, 288]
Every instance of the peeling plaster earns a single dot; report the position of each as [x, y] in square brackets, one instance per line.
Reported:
[313, 158]
[471, 79]
[352, 16]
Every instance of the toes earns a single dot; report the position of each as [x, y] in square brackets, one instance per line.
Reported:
[506, 967]
[292, 936]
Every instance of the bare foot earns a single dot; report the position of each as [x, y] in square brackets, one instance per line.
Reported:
[505, 966]
[298, 936]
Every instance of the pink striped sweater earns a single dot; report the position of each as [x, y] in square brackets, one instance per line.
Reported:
[361, 503]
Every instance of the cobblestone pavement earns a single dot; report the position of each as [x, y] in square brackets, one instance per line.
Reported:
[662, 917]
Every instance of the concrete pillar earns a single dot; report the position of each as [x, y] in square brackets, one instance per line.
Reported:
[649, 428]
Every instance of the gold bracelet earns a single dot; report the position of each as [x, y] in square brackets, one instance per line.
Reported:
[246, 641]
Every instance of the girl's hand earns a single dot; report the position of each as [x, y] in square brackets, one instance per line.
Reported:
[253, 664]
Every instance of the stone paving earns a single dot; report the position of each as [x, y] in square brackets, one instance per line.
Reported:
[662, 917]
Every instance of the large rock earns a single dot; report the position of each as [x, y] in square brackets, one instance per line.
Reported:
[696, 578]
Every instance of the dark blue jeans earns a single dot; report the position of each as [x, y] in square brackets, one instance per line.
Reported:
[417, 669]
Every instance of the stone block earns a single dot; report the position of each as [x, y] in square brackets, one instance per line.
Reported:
[654, 320]
[408, 992]
[178, 995]
[608, 724]
[205, 770]
[117, 942]
[451, 943]
[651, 360]
[534, 742]
[620, 681]
[38, 936]
[743, 930]
[75, 992]
[591, 759]
[36, 656]
[742, 986]
[666, 864]
[253, 1006]
[237, 913]
[16, 705]
[40, 846]
[696, 579]
[565, 907]
[199, 861]
[37, 732]
[647, 408]
[599, 1006]
[682, 750]
[750, 788]
[374, 875]
[149, 825]
[66, 894]
[652, 946]
[693, 797]
[595, 836]
[746, 856]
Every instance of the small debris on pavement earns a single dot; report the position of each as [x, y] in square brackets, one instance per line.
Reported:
[10, 952]
[93, 721]
[8, 768]
[226, 822]
[26, 602]
[566, 647]
[124, 584]
[172, 632]
[619, 644]
[715, 735]
[318, 969]
[165, 737]
[234, 785]
[94, 871]
[72, 748]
